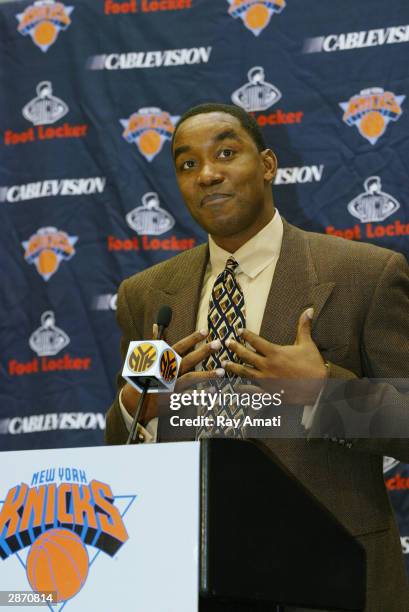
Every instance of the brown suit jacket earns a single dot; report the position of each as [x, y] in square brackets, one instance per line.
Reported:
[360, 295]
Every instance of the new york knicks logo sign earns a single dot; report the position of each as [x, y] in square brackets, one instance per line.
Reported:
[255, 14]
[168, 365]
[371, 111]
[43, 21]
[142, 357]
[57, 526]
[148, 128]
[47, 248]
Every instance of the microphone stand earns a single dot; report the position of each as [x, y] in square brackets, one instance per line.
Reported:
[132, 433]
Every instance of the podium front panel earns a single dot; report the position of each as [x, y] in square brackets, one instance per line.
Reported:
[106, 529]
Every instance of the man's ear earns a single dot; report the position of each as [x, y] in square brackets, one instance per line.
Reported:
[270, 164]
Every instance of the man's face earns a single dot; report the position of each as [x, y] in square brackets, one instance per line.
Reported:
[223, 178]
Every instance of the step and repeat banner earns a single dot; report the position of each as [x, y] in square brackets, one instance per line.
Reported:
[90, 94]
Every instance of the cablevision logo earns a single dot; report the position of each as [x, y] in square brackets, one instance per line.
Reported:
[357, 40]
[149, 59]
[54, 421]
[255, 14]
[57, 526]
[43, 21]
[52, 188]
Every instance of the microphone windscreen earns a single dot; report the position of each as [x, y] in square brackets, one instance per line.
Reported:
[164, 316]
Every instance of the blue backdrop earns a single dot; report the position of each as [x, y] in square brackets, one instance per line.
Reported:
[90, 92]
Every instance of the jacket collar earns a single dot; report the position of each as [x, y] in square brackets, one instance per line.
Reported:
[295, 287]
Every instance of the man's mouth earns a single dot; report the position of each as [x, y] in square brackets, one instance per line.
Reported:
[215, 198]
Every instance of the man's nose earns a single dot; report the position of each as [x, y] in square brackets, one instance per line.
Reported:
[209, 175]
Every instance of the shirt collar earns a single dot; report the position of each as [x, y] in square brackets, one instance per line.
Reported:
[256, 254]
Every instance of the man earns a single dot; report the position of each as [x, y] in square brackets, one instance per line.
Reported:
[315, 306]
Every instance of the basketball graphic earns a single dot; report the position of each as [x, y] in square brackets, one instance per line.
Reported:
[257, 17]
[47, 248]
[47, 263]
[43, 21]
[372, 125]
[148, 128]
[58, 562]
[255, 14]
[150, 143]
[45, 34]
[371, 111]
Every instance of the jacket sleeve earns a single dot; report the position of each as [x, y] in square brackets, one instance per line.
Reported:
[372, 414]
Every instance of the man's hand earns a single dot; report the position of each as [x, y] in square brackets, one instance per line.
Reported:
[191, 357]
[301, 362]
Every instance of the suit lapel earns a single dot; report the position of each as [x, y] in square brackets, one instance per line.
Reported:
[182, 294]
[295, 287]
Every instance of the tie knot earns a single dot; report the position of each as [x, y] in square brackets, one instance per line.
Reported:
[231, 264]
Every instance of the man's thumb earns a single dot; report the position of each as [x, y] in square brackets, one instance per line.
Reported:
[304, 326]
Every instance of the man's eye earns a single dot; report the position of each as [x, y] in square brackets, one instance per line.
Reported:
[226, 153]
[188, 164]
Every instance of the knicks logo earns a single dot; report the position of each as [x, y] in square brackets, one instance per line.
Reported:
[148, 129]
[47, 248]
[371, 111]
[168, 365]
[255, 14]
[65, 527]
[43, 21]
[142, 357]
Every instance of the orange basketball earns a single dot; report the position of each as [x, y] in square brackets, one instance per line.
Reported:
[257, 16]
[372, 124]
[45, 33]
[47, 262]
[150, 142]
[58, 562]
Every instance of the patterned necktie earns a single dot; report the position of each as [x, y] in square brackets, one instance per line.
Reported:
[226, 316]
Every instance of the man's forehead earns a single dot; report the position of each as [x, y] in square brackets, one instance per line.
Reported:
[213, 124]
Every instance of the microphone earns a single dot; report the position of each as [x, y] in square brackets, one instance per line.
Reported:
[164, 318]
[151, 366]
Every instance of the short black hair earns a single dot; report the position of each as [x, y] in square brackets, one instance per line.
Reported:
[247, 121]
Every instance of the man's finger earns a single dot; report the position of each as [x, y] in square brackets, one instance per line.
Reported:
[240, 370]
[193, 358]
[262, 346]
[304, 326]
[245, 355]
[186, 344]
[191, 379]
